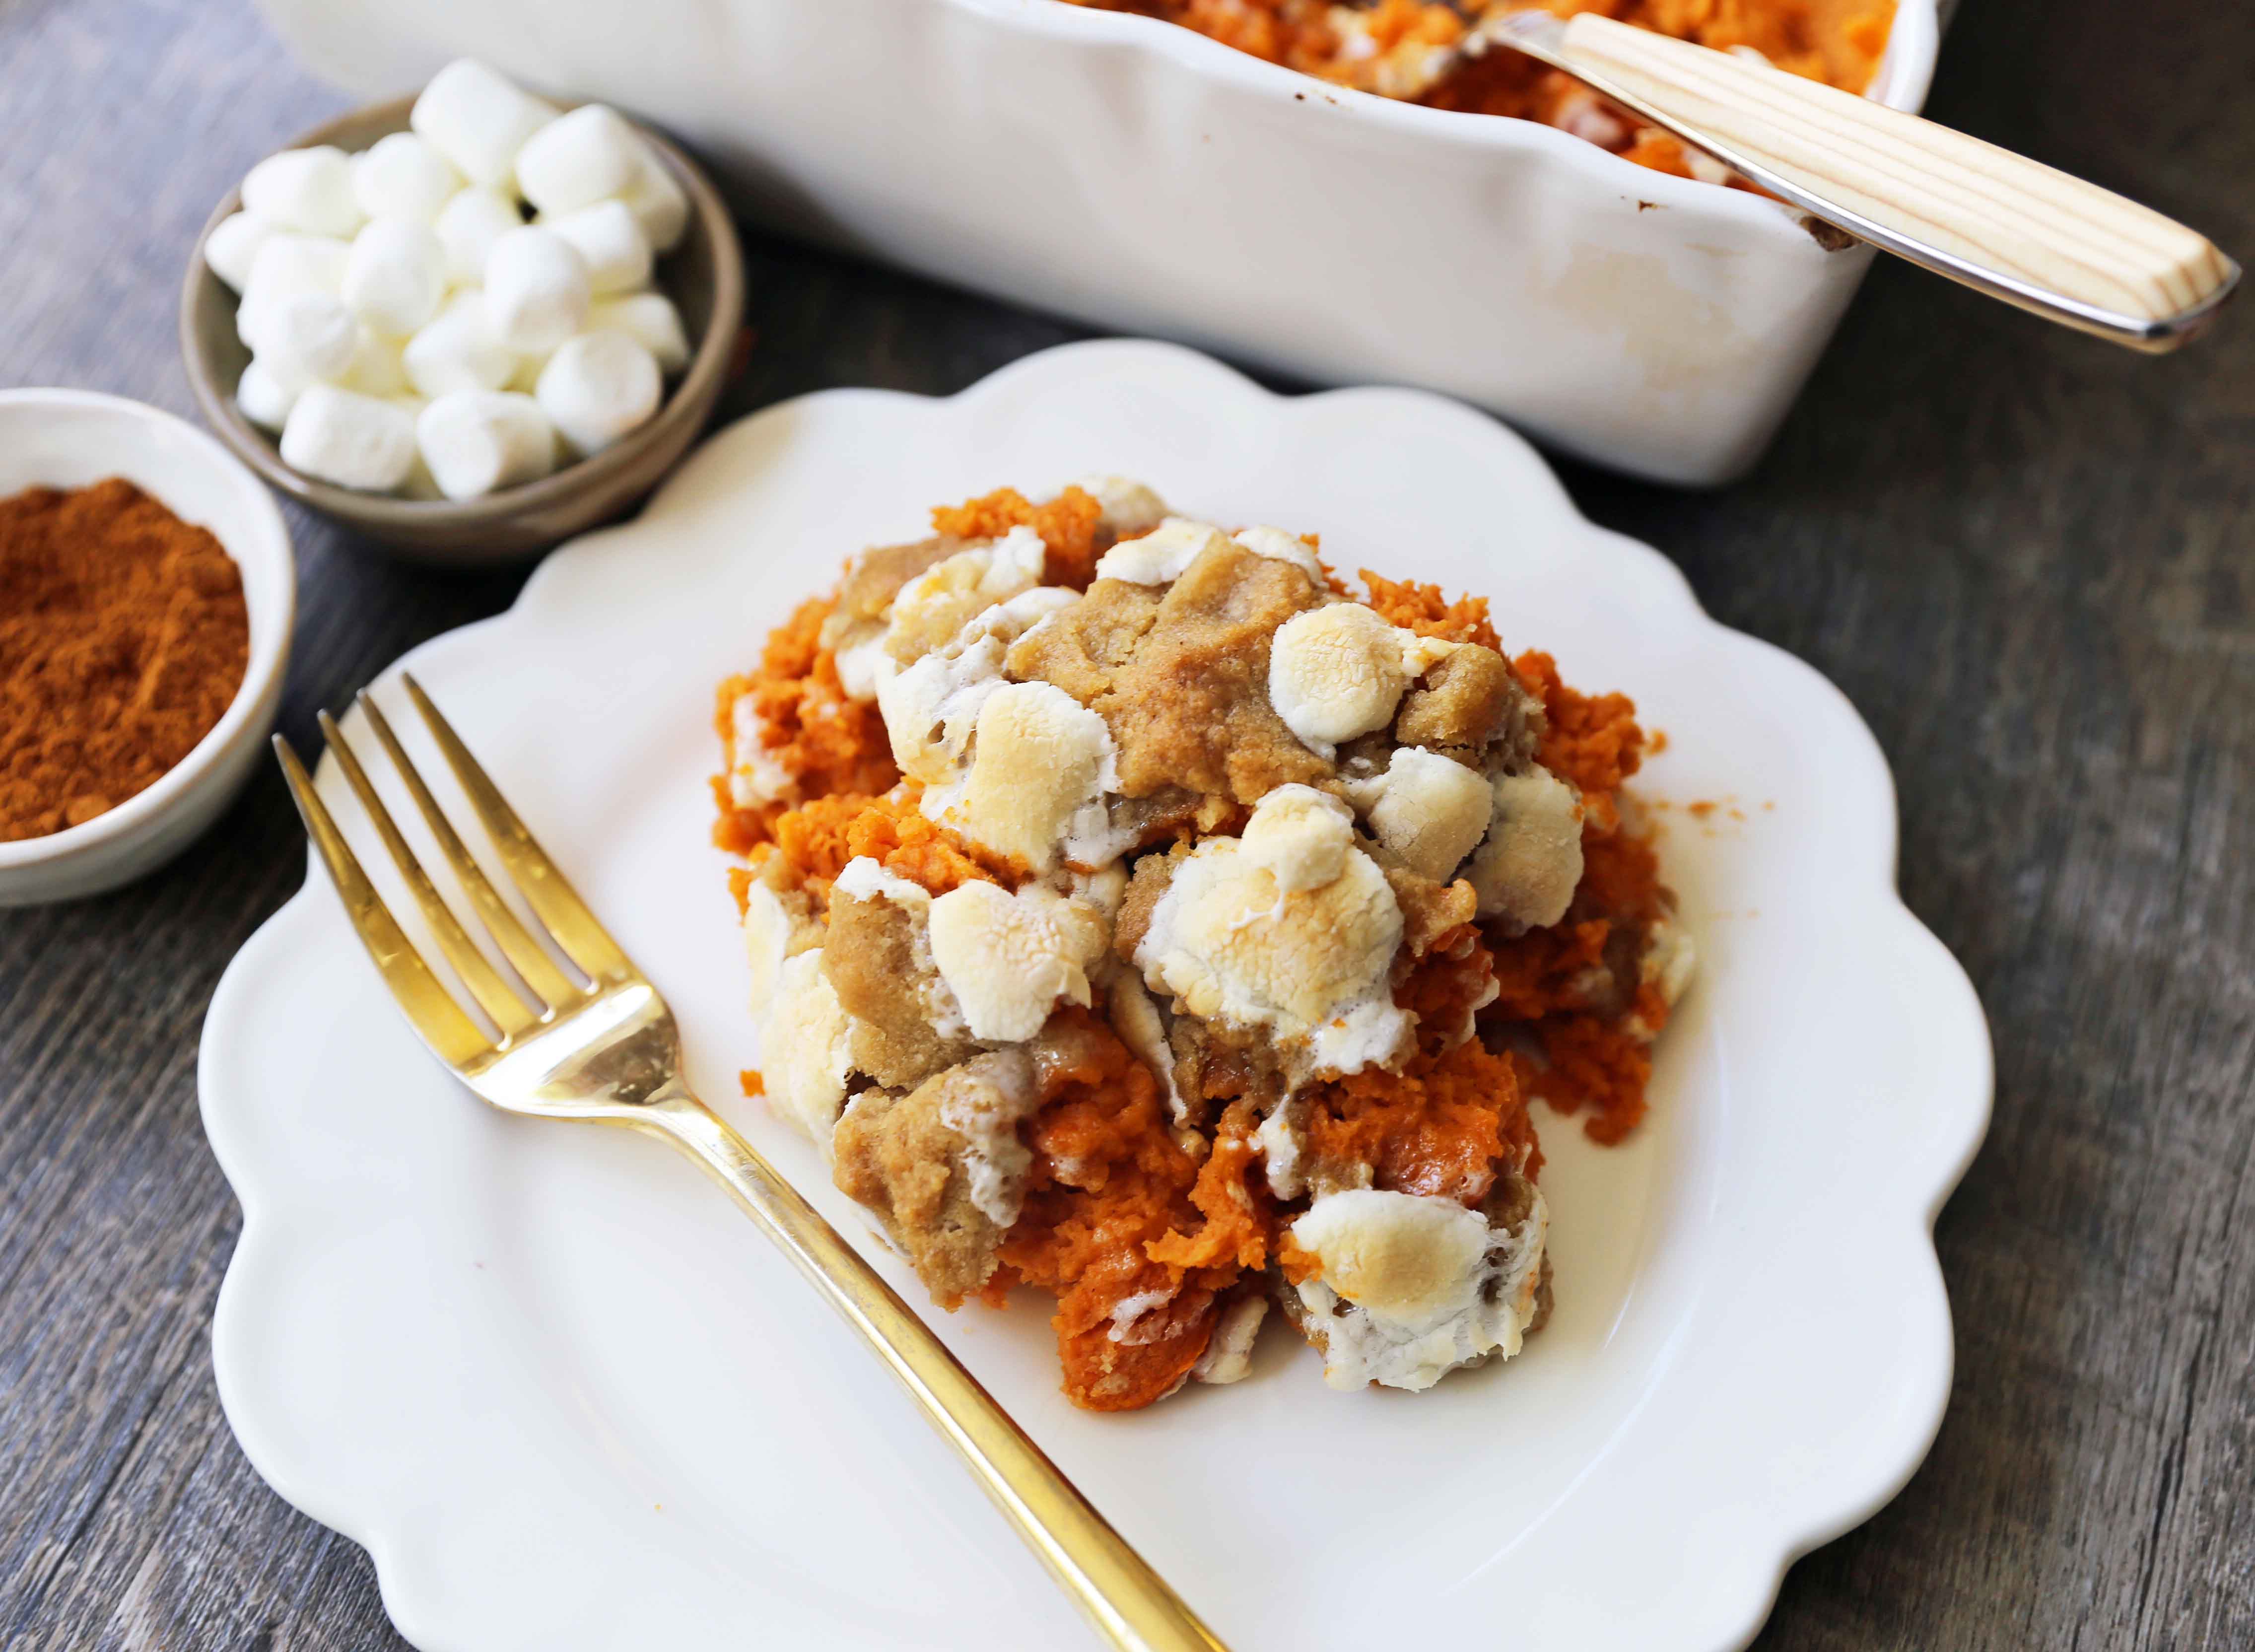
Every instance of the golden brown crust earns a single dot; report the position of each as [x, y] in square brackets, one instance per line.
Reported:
[876, 577]
[1429, 910]
[1465, 701]
[895, 1155]
[870, 958]
[1182, 680]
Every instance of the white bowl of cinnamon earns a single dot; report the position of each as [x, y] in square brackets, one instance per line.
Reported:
[147, 593]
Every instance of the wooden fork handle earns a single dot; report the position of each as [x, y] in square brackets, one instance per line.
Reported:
[2011, 227]
[1130, 1605]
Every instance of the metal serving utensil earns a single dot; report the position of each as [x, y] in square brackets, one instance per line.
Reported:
[599, 1046]
[2000, 223]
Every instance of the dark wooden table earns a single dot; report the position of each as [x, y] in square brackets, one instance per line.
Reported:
[2028, 558]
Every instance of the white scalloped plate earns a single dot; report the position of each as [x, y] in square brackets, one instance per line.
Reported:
[569, 1399]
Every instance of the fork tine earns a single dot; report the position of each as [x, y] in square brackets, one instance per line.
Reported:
[525, 954]
[429, 1007]
[584, 941]
[495, 996]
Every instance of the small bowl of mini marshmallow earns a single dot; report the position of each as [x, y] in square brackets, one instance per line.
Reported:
[467, 324]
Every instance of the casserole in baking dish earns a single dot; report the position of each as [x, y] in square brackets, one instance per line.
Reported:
[1143, 176]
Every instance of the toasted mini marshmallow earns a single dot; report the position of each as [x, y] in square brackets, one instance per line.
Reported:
[1302, 837]
[983, 1101]
[1230, 943]
[1428, 810]
[930, 709]
[1160, 555]
[1040, 758]
[807, 1049]
[1228, 1356]
[1129, 507]
[1528, 869]
[1335, 672]
[931, 608]
[1413, 1286]
[1008, 958]
[1283, 547]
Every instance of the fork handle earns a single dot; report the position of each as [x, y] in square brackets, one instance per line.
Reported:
[1131, 1606]
[2010, 227]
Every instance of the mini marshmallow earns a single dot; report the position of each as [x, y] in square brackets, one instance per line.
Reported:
[306, 336]
[597, 387]
[537, 292]
[468, 225]
[1161, 556]
[478, 441]
[457, 351]
[305, 189]
[234, 242]
[1334, 672]
[651, 318]
[287, 265]
[355, 441]
[396, 276]
[1130, 508]
[657, 202]
[404, 176]
[528, 369]
[478, 120]
[378, 368]
[578, 160]
[265, 397]
[610, 240]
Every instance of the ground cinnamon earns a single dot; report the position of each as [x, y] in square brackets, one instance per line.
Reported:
[123, 636]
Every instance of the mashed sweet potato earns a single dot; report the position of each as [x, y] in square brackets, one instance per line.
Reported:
[1146, 1213]
[1410, 49]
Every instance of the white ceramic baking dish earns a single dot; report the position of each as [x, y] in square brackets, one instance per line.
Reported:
[1142, 177]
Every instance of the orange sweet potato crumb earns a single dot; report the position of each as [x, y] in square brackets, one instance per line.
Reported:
[1441, 1126]
[1117, 1207]
[819, 837]
[1423, 609]
[826, 741]
[1838, 42]
[1067, 524]
[1108, 1184]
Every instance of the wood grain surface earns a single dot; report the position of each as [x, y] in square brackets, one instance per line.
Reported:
[2027, 557]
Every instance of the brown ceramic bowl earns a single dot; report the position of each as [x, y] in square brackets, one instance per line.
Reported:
[704, 276]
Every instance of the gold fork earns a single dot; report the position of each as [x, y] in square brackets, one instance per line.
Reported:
[607, 1051]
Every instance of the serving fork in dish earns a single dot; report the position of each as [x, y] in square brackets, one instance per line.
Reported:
[597, 1044]
[1998, 223]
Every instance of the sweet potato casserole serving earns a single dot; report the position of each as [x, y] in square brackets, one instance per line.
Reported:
[1430, 53]
[1137, 913]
